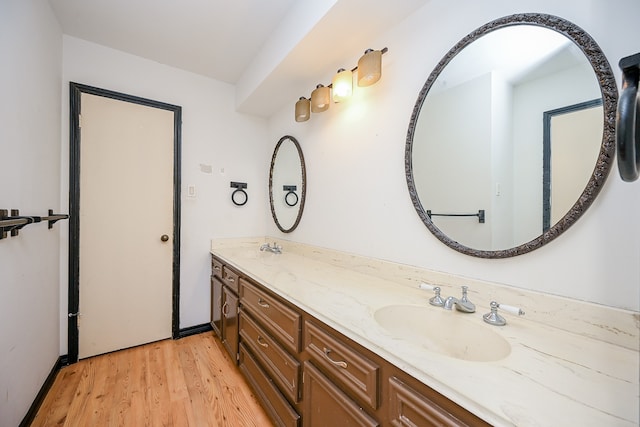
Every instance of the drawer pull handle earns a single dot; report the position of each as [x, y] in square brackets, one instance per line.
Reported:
[215, 267]
[261, 342]
[230, 279]
[262, 303]
[225, 306]
[340, 364]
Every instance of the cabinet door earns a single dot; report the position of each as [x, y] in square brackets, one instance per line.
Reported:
[216, 305]
[230, 321]
[326, 405]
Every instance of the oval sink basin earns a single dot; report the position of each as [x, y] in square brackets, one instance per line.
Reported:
[445, 332]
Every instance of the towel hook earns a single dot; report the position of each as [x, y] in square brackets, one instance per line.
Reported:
[628, 120]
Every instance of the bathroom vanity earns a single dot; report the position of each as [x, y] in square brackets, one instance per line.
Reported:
[324, 337]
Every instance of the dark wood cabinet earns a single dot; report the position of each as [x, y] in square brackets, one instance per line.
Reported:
[216, 267]
[283, 322]
[216, 305]
[327, 405]
[216, 296]
[225, 305]
[307, 374]
[281, 412]
[270, 338]
[230, 278]
[230, 309]
[353, 371]
[282, 367]
[408, 408]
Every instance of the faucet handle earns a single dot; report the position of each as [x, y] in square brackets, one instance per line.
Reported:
[436, 299]
[493, 318]
[465, 299]
[511, 309]
[426, 286]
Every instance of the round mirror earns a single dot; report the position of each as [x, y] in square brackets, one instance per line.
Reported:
[287, 184]
[512, 136]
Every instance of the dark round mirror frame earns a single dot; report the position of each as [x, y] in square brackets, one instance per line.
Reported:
[609, 92]
[303, 189]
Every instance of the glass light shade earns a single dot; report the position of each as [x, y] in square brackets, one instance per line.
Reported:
[369, 67]
[302, 109]
[320, 99]
[342, 85]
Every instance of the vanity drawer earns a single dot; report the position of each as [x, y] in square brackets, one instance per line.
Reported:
[275, 404]
[281, 322]
[356, 373]
[216, 267]
[408, 407]
[326, 405]
[230, 278]
[283, 368]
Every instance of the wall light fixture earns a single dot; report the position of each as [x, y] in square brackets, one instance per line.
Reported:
[342, 85]
[320, 99]
[369, 67]
[341, 88]
[303, 109]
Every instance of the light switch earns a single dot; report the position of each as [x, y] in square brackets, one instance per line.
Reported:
[191, 191]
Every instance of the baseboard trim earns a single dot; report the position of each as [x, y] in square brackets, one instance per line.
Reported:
[193, 330]
[46, 386]
[63, 361]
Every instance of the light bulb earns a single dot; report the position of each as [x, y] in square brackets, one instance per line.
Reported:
[342, 85]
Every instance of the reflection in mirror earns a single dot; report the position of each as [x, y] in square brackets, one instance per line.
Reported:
[287, 184]
[571, 138]
[515, 121]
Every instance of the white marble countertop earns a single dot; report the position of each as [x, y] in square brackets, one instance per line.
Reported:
[551, 377]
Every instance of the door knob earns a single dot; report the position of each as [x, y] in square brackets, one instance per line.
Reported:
[164, 238]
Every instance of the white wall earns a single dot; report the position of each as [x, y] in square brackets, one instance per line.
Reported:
[357, 194]
[469, 148]
[31, 51]
[502, 164]
[233, 146]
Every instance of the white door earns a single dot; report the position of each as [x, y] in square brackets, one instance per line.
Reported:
[126, 206]
[575, 144]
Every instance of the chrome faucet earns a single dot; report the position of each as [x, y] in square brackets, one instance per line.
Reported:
[273, 249]
[463, 304]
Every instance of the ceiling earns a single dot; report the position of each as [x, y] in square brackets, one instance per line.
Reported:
[273, 51]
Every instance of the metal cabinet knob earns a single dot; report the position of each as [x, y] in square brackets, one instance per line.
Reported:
[164, 238]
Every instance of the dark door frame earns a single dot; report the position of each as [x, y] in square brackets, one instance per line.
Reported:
[546, 153]
[75, 92]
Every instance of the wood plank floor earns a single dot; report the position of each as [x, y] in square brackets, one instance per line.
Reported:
[186, 382]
